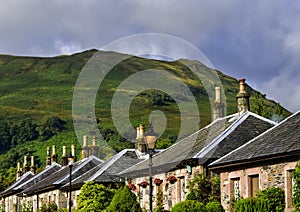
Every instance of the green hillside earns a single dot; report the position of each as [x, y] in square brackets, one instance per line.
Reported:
[34, 91]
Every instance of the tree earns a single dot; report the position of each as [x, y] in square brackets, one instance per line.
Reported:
[94, 197]
[123, 201]
[5, 138]
[278, 115]
[204, 189]
[22, 131]
[51, 127]
[258, 105]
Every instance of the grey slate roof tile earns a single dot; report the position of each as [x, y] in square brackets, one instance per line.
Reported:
[11, 189]
[61, 177]
[282, 139]
[210, 142]
[48, 171]
[109, 170]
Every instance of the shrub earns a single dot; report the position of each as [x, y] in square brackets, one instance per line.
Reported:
[274, 197]
[296, 188]
[94, 197]
[204, 189]
[189, 206]
[159, 202]
[51, 207]
[25, 207]
[244, 205]
[252, 205]
[124, 201]
[214, 206]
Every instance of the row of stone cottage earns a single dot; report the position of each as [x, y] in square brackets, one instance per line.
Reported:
[249, 153]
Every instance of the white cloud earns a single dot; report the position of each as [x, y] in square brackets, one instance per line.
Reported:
[64, 48]
[284, 88]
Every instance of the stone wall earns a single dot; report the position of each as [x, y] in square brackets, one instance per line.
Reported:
[276, 175]
[173, 192]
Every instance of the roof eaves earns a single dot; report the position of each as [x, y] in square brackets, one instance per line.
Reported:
[11, 189]
[39, 174]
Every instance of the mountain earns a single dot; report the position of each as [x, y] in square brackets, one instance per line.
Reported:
[40, 90]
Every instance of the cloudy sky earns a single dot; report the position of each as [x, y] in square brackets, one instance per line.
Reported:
[257, 40]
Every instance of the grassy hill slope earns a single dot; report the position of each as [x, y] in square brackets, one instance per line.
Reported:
[39, 88]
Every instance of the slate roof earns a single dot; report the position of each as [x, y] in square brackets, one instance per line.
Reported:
[109, 170]
[61, 177]
[211, 142]
[11, 189]
[280, 141]
[49, 170]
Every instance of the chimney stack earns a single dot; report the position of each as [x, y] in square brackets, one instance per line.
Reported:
[218, 111]
[95, 148]
[32, 166]
[19, 171]
[25, 166]
[218, 94]
[54, 155]
[141, 131]
[64, 159]
[48, 157]
[242, 98]
[73, 152]
[140, 143]
[85, 148]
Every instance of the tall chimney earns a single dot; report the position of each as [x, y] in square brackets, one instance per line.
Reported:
[140, 143]
[32, 165]
[85, 149]
[95, 148]
[218, 111]
[54, 155]
[242, 98]
[19, 171]
[73, 152]
[137, 132]
[218, 95]
[48, 157]
[64, 159]
[25, 166]
[141, 131]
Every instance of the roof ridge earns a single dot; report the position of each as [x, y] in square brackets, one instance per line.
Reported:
[81, 164]
[262, 118]
[37, 175]
[18, 181]
[253, 139]
[222, 135]
[109, 163]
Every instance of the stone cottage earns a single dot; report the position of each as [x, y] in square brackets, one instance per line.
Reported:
[178, 164]
[265, 161]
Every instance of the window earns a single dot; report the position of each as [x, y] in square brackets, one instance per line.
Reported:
[253, 185]
[235, 188]
[180, 189]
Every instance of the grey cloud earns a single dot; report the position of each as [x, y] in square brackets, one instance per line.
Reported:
[252, 39]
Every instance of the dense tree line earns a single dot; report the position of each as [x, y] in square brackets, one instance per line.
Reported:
[21, 131]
